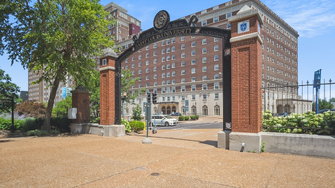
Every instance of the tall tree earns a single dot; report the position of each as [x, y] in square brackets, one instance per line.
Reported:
[7, 91]
[56, 38]
[127, 82]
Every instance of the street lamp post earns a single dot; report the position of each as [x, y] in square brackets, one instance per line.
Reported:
[123, 98]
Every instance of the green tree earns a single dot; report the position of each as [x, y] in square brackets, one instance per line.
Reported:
[7, 91]
[323, 104]
[93, 86]
[55, 38]
[137, 113]
[127, 82]
[62, 107]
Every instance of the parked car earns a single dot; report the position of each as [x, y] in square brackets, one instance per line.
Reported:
[282, 114]
[163, 120]
[175, 114]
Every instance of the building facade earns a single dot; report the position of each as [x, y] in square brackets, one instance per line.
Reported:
[186, 72]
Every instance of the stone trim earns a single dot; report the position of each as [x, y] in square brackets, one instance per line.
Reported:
[244, 15]
[107, 68]
[247, 36]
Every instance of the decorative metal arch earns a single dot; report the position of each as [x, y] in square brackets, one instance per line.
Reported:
[164, 29]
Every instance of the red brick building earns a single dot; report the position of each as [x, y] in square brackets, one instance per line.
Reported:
[186, 72]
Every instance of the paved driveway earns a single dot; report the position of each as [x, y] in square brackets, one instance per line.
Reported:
[177, 158]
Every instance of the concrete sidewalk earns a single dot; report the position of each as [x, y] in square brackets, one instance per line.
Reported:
[177, 158]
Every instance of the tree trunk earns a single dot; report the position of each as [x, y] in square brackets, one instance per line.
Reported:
[46, 124]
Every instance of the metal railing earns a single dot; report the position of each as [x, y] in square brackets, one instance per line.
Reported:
[300, 98]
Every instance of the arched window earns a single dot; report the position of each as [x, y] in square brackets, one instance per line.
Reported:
[194, 110]
[204, 110]
[168, 110]
[279, 109]
[217, 110]
[287, 108]
[163, 110]
[174, 109]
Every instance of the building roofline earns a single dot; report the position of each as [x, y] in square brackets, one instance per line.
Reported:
[258, 2]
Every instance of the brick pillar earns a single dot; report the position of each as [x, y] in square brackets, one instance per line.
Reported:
[246, 71]
[107, 89]
[81, 101]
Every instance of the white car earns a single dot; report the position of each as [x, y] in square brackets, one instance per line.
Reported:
[163, 120]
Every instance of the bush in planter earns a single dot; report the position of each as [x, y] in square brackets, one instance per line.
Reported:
[126, 125]
[137, 126]
[187, 118]
[307, 123]
[181, 118]
[194, 117]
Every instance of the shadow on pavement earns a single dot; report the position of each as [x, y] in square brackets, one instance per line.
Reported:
[207, 142]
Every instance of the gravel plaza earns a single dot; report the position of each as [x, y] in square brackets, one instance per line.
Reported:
[176, 158]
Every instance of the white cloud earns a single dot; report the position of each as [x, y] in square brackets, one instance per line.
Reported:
[309, 18]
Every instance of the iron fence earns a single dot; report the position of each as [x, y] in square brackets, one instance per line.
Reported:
[299, 98]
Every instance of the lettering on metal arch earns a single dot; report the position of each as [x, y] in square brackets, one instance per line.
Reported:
[180, 27]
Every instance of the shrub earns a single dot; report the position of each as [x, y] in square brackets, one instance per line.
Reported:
[31, 124]
[137, 126]
[137, 111]
[181, 118]
[187, 118]
[6, 124]
[307, 123]
[126, 125]
[37, 132]
[95, 120]
[193, 117]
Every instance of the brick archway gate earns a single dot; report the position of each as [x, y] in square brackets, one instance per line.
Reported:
[241, 69]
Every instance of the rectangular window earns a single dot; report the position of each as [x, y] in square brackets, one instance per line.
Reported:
[193, 71]
[204, 23]
[193, 87]
[193, 79]
[204, 51]
[193, 97]
[216, 96]
[182, 72]
[216, 67]
[183, 64]
[216, 48]
[204, 69]
[216, 58]
[216, 85]
[216, 19]
[204, 87]
[182, 46]
[193, 62]
[193, 53]
[182, 88]
[204, 41]
[193, 44]
[183, 55]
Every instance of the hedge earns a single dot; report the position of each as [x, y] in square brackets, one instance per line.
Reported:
[60, 124]
[307, 123]
[137, 126]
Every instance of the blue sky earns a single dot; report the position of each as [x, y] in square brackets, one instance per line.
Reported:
[314, 20]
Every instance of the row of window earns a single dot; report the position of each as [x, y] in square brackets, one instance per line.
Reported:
[173, 98]
[173, 65]
[173, 73]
